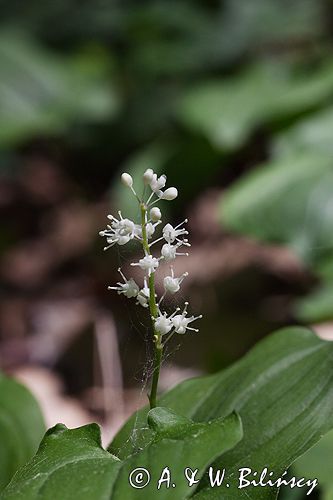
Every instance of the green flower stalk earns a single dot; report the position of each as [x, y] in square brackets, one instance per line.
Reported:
[122, 230]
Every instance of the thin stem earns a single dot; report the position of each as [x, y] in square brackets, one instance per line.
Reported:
[155, 201]
[150, 197]
[157, 367]
[168, 338]
[157, 337]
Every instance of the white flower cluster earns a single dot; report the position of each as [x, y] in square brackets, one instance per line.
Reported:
[121, 230]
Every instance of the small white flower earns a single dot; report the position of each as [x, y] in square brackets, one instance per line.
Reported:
[125, 227]
[138, 231]
[163, 324]
[127, 180]
[180, 322]
[172, 284]
[148, 264]
[148, 176]
[171, 234]
[155, 214]
[143, 295]
[169, 252]
[157, 183]
[121, 231]
[169, 194]
[129, 288]
[150, 228]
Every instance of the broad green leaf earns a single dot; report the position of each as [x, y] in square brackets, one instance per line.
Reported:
[328, 495]
[227, 111]
[283, 391]
[135, 434]
[317, 462]
[313, 133]
[309, 135]
[69, 464]
[72, 464]
[289, 201]
[286, 201]
[291, 494]
[21, 427]
[177, 443]
[42, 93]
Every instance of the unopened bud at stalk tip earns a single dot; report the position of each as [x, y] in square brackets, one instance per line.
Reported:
[127, 179]
[148, 176]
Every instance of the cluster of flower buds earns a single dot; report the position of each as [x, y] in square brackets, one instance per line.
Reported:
[122, 230]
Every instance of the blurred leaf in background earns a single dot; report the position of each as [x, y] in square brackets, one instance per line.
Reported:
[311, 134]
[289, 201]
[43, 94]
[286, 201]
[231, 99]
[229, 111]
[21, 427]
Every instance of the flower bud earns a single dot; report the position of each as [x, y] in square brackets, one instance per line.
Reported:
[127, 180]
[155, 214]
[169, 194]
[148, 176]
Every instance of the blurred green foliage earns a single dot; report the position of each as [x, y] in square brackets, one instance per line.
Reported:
[236, 94]
[43, 93]
[157, 47]
[21, 427]
[289, 201]
[195, 89]
[229, 111]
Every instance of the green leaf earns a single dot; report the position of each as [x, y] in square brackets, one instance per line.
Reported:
[283, 391]
[227, 111]
[289, 201]
[21, 427]
[177, 443]
[317, 462]
[328, 495]
[287, 493]
[286, 201]
[67, 462]
[72, 463]
[310, 134]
